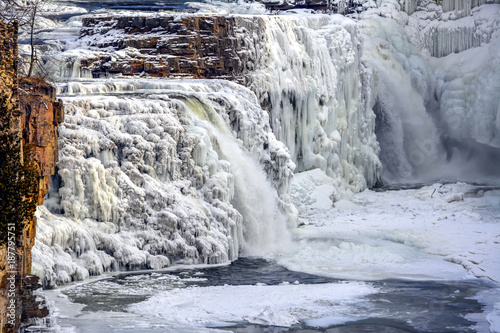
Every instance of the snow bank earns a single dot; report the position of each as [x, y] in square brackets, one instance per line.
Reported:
[437, 232]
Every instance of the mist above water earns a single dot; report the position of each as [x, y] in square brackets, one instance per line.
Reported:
[433, 122]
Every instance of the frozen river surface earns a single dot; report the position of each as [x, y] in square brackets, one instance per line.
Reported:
[417, 260]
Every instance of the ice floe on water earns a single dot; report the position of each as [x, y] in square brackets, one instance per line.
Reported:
[282, 305]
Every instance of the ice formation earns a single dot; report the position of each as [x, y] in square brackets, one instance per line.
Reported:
[145, 177]
[282, 305]
[467, 88]
[388, 235]
[307, 72]
[436, 89]
[154, 177]
[320, 94]
[127, 161]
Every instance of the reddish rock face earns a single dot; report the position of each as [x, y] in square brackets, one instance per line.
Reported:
[40, 115]
[35, 114]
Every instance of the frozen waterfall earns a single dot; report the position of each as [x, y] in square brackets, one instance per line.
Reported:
[159, 171]
[309, 74]
[437, 92]
[151, 172]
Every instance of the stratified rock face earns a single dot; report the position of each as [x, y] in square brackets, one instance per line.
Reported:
[40, 115]
[319, 5]
[198, 47]
[34, 118]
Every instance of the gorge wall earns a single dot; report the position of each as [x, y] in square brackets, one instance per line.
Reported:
[198, 47]
[30, 115]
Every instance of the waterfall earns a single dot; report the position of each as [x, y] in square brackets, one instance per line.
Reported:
[264, 225]
[436, 116]
[155, 175]
[409, 139]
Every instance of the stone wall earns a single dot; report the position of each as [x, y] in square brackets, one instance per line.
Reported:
[34, 115]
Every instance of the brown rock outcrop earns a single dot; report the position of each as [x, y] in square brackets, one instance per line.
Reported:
[40, 115]
[9, 103]
[194, 46]
[33, 116]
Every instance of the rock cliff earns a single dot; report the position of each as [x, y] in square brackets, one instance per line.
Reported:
[29, 118]
[198, 47]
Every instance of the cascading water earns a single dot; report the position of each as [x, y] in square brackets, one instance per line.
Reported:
[264, 225]
[435, 116]
[409, 139]
[305, 70]
[144, 182]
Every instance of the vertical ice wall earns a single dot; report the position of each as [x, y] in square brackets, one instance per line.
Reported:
[307, 71]
[464, 7]
[455, 33]
[146, 181]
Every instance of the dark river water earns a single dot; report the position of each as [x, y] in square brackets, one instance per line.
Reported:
[400, 306]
